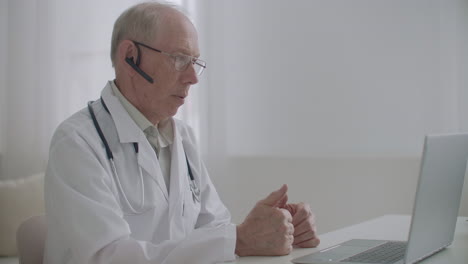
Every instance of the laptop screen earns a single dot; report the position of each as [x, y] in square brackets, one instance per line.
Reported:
[438, 196]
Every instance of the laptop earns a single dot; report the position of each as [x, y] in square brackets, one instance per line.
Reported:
[435, 211]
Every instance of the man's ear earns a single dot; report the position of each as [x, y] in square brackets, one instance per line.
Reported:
[127, 51]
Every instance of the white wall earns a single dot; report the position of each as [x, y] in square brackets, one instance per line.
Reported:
[332, 97]
[3, 76]
[462, 58]
[370, 76]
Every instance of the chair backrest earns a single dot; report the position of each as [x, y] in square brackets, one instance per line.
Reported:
[30, 240]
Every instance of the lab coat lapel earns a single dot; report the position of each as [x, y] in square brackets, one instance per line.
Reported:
[148, 161]
[129, 132]
[178, 182]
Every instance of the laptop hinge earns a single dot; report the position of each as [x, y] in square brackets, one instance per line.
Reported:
[430, 254]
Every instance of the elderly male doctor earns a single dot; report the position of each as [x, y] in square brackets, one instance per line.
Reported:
[125, 182]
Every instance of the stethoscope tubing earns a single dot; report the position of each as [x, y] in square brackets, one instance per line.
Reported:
[193, 187]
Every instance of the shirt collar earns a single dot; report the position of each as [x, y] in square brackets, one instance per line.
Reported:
[163, 132]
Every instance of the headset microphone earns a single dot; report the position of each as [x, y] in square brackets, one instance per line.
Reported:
[137, 69]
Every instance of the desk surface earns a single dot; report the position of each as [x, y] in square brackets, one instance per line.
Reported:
[389, 227]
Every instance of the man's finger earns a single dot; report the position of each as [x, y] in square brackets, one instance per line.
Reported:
[275, 197]
[314, 242]
[305, 226]
[304, 237]
[282, 203]
[302, 213]
[287, 215]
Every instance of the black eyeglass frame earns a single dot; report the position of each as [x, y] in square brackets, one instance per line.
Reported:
[193, 60]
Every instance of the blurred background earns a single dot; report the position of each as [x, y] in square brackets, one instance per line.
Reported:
[332, 97]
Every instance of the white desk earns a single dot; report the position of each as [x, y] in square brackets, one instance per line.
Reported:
[391, 227]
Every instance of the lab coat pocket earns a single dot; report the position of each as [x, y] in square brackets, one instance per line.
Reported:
[190, 211]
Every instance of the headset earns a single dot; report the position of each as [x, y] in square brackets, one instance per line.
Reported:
[137, 69]
[135, 66]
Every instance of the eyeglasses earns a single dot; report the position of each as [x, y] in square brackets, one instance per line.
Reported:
[181, 61]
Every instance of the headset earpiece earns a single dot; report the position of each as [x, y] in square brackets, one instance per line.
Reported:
[138, 70]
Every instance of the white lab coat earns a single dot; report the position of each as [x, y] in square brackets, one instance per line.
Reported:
[89, 221]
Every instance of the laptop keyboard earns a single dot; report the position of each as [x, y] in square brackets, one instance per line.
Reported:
[389, 252]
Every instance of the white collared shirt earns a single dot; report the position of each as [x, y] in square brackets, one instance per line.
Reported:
[160, 137]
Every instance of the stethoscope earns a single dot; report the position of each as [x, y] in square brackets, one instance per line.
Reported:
[193, 187]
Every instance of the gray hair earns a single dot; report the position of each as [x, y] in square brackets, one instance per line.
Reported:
[139, 23]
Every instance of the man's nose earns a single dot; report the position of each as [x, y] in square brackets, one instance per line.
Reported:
[191, 74]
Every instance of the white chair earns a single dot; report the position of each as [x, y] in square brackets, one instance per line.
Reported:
[30, 239]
